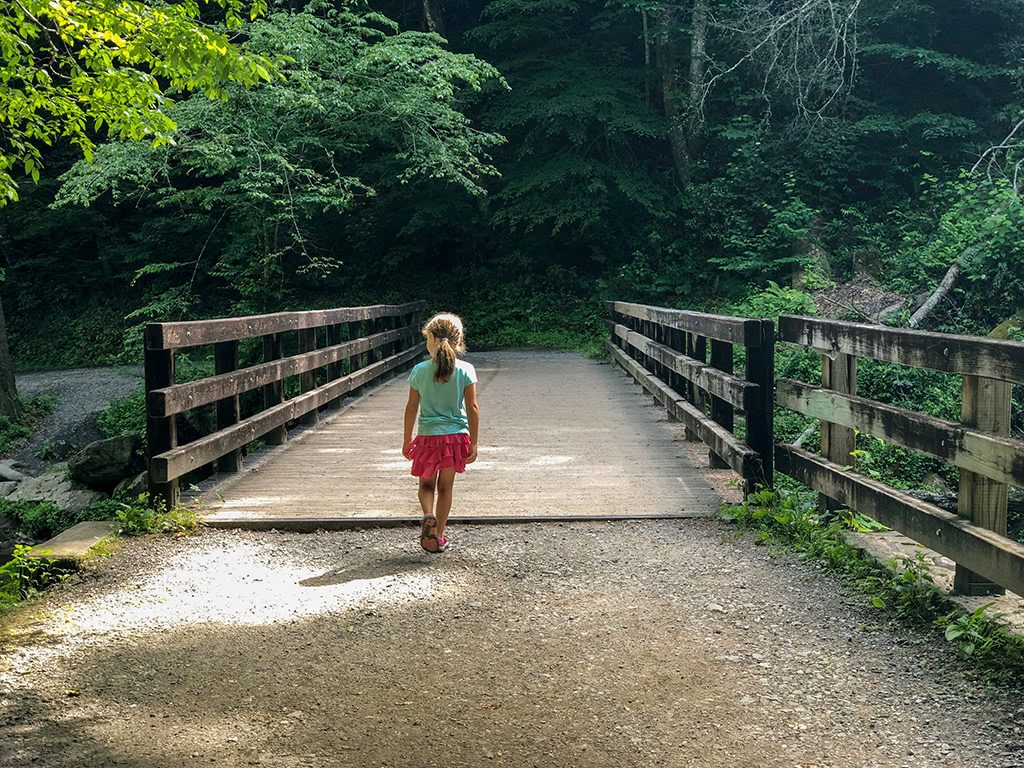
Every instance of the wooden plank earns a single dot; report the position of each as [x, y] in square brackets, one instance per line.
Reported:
[838, 372]
[736, 330]
[722, 410]
[996, 557]
[999, 458]
[968, 355]
[193, 394]
[174, 463]
[225, 361]
[985, 406]
[760, 370]
[725, 386]
[273, 391]
[334, 365]
[161, 431]
[740, 457]
[307, 379]
[196, 332]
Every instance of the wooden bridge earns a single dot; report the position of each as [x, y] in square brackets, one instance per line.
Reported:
[304, 411]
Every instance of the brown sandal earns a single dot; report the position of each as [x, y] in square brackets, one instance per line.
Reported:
[428, 536]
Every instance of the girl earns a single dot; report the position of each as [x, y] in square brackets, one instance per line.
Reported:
[443, 391]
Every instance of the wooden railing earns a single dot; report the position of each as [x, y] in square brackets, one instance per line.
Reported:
[338, 351]
[666, 351]
[979, 444]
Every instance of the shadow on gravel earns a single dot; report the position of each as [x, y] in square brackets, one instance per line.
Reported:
[392, 566]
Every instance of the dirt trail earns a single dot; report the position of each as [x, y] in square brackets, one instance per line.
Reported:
[642, 644]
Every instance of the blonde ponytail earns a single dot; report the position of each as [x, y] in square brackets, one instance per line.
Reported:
[444, 360]
[446, 329]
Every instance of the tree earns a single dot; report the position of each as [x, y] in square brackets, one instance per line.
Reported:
[73, 70]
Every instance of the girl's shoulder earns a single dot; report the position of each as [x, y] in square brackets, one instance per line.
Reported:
[467, 370]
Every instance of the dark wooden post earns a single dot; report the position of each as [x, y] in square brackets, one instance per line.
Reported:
[760, 424]
[307, 380]
[273, 394]
[161, 432]
[721, 411]
[225, 360]
[838, 372]
[986, 406]
[334, 369]
[355, 331]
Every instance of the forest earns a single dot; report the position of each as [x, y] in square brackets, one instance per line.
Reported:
[519, 162]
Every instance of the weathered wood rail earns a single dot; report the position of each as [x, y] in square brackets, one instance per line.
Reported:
[665, 351]
[979, 444]
[338, 351]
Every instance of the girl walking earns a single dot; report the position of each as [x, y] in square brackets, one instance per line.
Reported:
[442, 391]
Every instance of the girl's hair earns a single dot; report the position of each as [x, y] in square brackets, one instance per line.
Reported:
[446, 330]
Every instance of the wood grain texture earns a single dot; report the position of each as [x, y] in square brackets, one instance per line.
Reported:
[969, 355]
[561, 435]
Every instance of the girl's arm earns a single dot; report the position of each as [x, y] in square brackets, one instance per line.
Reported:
[412, 408]
[473, 415]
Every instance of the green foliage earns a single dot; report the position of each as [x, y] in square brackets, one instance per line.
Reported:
[139, 517]
[34, 410]
[38, 520]
[72, 70]
[22, 577]
[126, 416]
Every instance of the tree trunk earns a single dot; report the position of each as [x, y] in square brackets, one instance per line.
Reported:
[433, 19]
[698, 63]
[10, 406]
[668, 64]
[684, 120]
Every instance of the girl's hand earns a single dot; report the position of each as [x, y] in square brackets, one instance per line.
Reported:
[472, 453]
[407, 449]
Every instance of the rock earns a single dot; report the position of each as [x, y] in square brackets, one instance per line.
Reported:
[57, 486]
[130, 488]
[105, 463]
[9, 473]
[7, 487]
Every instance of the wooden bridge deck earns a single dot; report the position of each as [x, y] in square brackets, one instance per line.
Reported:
[562, 437]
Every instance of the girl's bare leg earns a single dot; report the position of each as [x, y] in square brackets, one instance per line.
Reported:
[426, 492]
[445, 482]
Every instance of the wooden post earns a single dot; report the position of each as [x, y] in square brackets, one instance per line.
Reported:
[355, 331]
[225, 360]
[838, 372]
[334, 369]
[273, 394]
[721, 411]
[761, 423]
[307, 380]
[986, 406]
[161, 433]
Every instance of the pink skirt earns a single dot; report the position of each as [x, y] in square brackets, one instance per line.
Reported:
[432, 453]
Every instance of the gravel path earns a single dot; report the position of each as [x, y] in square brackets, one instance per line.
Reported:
[82, 394]
[642, 644]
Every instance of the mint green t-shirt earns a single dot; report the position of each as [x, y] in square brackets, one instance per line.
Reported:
[442, 404]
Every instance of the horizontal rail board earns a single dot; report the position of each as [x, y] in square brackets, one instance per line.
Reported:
[735, 330]
[743, 459]
[176, 462]
[741, 393]
[196, 332]
[993, 556]
[999, 458]
[192, 394]
[971, 355]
